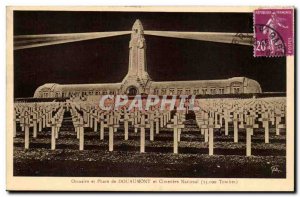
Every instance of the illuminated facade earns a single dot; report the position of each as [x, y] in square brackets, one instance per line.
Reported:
[138, 81]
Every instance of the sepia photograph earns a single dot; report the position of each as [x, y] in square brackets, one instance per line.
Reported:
[151, 98]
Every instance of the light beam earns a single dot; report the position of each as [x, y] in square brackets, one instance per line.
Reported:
[31, 41]
[222, 37]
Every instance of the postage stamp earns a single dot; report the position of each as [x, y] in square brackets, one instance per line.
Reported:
[273, 32]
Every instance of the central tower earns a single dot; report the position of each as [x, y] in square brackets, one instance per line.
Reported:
[137, 79]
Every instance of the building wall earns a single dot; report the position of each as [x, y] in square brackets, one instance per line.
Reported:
[76, 90]
[237, 85]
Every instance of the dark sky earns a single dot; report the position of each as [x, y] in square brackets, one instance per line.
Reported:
[106, 59]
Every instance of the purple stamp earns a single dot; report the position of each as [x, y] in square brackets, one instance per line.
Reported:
[273, 32]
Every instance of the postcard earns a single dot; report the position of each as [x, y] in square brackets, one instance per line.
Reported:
[150, 99]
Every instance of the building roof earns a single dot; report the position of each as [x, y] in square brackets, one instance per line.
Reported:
[87, 86]
[192, 83]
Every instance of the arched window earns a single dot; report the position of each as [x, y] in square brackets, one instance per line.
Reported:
[236, 90]
[179, 91]
[132, 91]
[171, 91]
[221, 90]
[212, 90]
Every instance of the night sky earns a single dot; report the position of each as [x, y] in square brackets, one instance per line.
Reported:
[106, 59]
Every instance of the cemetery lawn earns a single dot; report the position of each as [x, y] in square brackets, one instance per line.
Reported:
[124, 163]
